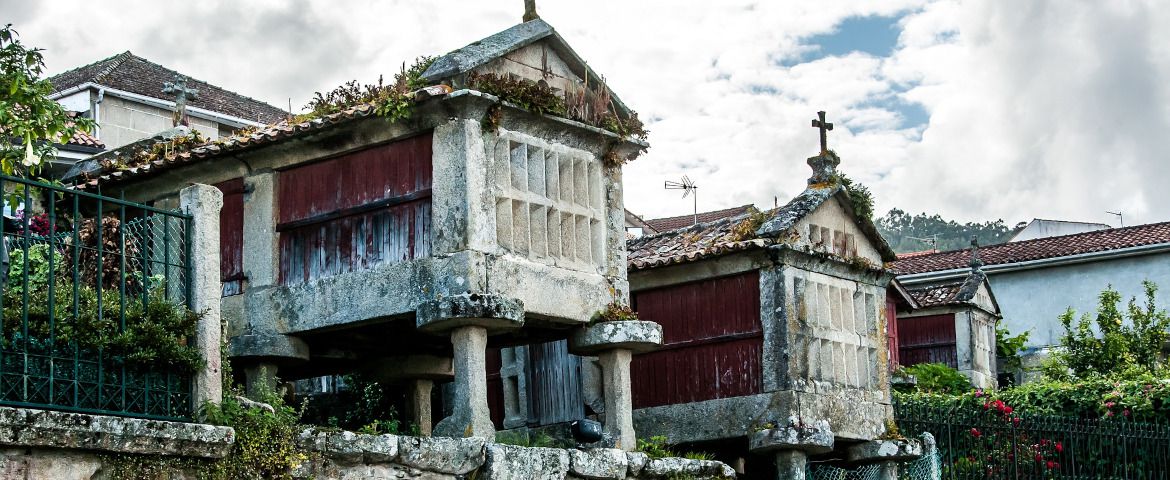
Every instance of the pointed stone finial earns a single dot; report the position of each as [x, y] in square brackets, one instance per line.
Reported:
[975, 262]
[530, 10]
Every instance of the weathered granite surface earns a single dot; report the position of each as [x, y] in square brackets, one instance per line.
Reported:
[815, 438]
[638, 336]
[30, 428]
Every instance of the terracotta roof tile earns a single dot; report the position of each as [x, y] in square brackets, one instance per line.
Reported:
[1040, 248]
[673, 223]
[134, 74]
[93, 173]
[83, 139]
[689, 244]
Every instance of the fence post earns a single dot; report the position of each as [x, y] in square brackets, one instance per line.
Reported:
[203, 203]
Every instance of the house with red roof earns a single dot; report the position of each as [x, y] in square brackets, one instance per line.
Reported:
[1035, 281]
[124, 96]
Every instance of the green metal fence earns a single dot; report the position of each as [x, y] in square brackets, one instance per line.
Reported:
[977, 443]
[83, 276]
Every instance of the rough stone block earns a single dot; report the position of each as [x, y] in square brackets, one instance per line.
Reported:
[686, 468]
[598, 463]
[45, 428]
[507, 462]
[349, 447]
[470, 309]
[635, 335]
[814, 439]
[268, 346]
[455, 456]
[636, 461]
[900, 450]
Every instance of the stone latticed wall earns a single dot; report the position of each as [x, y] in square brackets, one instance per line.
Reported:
[549, 202]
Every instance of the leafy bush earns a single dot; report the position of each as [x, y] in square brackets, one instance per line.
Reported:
[938, 378]
[1126, 342]
[1145, 398]
[364, 405]
[1008, 348]
[156, 332]
[265, 444]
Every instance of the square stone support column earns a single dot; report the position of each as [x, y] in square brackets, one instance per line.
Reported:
[471, 417]
[468, 318]
[886, 453]
[791, 464]
[260, 378]
[614, 343]
[203, 203]
[791, 445]
[420, 404]
[619, 400]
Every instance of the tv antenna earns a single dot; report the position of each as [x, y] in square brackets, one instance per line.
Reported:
[1120, 217]
[931, 240]
[689, 188]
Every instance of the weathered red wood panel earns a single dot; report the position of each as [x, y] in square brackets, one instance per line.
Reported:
[231, 236]
[712, 342]
[929, 339]
[892, 329]
[356, 211]
[495, 387]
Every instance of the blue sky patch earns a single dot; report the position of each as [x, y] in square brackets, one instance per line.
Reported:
[874, 35]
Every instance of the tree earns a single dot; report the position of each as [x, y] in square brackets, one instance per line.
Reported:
[30, 122]
[904, 231]
[1124, 342]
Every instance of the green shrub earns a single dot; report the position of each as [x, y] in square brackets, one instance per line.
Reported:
[938, 378]
[1125, 343]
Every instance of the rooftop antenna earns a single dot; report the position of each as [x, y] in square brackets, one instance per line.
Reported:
[931, 240]
[688, 187]
[1120, 217]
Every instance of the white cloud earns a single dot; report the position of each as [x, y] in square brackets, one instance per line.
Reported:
[1044, 108]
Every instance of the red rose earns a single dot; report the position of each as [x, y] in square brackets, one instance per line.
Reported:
[1059, 447]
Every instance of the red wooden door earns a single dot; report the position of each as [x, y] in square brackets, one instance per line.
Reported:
[929, 339]
[712, 341]
[231, 236]
[356, 211]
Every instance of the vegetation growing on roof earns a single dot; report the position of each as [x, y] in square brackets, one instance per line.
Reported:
[746, 229]
[390, 100]
[31, 122]
[859, 196]
[586, 105]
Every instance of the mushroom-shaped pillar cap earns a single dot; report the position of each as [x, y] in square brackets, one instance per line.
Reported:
[813, 438]
[637, 336]
[493, 312]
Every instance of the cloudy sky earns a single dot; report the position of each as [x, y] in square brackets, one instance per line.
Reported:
[971, 109]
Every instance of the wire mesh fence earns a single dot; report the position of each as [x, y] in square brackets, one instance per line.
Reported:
[94, 300]
[978, 443]
[925, 468]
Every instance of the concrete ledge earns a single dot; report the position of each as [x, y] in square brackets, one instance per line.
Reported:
[812, 439]
[272, 346]
[638, 336]
[900, 450]
[24, 427]
[493, 312]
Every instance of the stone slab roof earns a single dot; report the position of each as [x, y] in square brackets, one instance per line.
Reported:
[480, 52]
[673, 223]
[1039, 249]
[128, 72]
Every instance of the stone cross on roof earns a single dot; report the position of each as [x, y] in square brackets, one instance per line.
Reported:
[976, 263]
[824, 126]
[179, 89]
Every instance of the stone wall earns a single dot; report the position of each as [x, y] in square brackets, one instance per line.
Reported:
[42, 444]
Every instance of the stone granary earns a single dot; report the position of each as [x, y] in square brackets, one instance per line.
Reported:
[952, 322]
[774, 327]
[407, 247]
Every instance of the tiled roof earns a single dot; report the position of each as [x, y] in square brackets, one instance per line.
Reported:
[691, 243]
[83, 139]
[935, 295]
[1040, 248]
[673, 223]
[134, 74]
[916, 254]
[93, 174]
